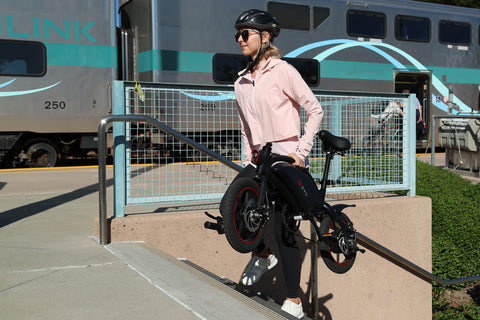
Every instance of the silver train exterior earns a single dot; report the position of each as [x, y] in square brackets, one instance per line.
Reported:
[57, 61]
[365, 46]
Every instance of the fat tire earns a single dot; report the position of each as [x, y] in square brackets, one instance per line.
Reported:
[242, 195]
[330, 253]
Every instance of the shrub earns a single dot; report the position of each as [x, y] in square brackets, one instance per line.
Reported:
[455, 232]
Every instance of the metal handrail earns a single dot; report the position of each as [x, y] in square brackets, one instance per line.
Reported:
[404, 263]
[102, 162]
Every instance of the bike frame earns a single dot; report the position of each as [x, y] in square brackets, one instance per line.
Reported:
[323, 207]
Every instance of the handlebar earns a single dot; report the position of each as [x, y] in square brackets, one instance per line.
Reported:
[265, 158]
[277, 158]
[265, 155]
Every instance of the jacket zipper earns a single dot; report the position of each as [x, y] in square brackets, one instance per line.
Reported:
[256, 115]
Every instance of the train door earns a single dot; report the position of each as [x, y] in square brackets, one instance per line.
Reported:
[418, 83]
[126, 48]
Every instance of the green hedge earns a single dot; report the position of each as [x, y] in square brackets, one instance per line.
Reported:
[455, 233]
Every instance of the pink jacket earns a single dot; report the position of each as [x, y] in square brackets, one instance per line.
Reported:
[269, 108]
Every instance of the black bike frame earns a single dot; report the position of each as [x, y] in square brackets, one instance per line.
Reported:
[324, 206]
[266, 162]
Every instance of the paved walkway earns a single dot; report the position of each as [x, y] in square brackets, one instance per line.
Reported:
[50, 267]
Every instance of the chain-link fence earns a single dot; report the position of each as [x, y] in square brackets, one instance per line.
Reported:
[160, 169]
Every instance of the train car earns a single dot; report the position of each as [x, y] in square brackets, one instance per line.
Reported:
[367, 46]
[57, 60]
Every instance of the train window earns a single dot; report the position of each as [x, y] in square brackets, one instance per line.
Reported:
[290, 16]
[366, 24]
[320, 15]
[412, 28]
[22, 58]
[454, 32]
[308, 68]
[227, 66]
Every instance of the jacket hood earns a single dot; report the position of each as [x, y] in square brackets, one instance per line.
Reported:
[267, 65]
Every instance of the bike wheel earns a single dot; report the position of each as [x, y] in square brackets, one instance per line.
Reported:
[330, 250]
[241, 222]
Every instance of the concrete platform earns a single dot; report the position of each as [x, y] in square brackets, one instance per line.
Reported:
[52, 268]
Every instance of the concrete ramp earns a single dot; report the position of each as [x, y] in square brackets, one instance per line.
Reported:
[197, 291]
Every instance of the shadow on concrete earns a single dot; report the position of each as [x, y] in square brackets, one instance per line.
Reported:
[31, 209]
[28, 210]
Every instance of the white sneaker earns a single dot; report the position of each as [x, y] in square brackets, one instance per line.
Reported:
[256, 268]
[294, 309]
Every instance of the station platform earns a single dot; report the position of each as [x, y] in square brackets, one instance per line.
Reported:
[52, 268]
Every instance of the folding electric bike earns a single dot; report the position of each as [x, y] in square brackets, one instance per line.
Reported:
[248, 203]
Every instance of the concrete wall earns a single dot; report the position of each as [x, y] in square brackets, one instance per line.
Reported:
[374, 288]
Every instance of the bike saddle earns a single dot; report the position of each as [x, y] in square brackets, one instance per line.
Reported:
[331, 141]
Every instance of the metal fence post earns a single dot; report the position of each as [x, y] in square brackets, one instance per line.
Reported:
[314, 271]
[412, 145]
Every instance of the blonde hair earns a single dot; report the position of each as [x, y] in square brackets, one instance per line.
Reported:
[272, 51]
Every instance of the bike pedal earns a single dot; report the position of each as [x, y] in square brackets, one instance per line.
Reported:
[214, 226]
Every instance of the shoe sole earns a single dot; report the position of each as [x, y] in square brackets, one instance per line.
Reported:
[272, 264]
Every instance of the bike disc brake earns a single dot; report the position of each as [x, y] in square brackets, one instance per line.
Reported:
[253, 220]
[348, 243]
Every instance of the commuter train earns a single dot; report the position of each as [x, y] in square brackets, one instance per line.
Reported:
[58, 59]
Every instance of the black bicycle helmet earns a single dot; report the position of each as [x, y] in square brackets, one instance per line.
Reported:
[259, 20]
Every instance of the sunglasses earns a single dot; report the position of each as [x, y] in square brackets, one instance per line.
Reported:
[244, 34]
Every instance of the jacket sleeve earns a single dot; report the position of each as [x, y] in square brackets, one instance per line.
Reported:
[247, 148]
[304, 97]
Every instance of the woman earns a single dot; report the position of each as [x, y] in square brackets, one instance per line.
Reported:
[269, 94]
